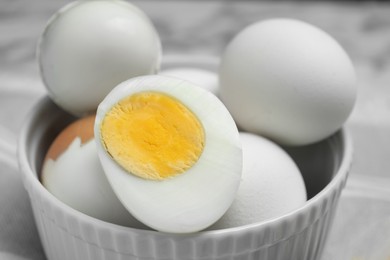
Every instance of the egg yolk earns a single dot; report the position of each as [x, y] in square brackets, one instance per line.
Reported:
[152, 135]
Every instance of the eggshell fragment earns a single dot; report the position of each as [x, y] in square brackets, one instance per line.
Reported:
[73, 174]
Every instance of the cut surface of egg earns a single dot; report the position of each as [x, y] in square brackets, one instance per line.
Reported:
[171, 152]
[271, 186]
[88, 47]
[287, 80]
[73, 174]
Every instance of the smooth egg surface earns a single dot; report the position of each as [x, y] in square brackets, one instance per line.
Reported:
[171, 152]
[73, 174]
[287, 80]
[201, 77]
[271, 185]
[88, 47]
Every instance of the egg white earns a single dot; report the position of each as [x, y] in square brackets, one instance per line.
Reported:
[271, 186]
[197, 198]
[287, 80]
[88, 47]
[203, 78]
[77, 179]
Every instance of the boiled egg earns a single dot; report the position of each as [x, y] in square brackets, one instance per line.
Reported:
[272, 184]
[171, 152]
[287, 80]
[88, 47]
[201, 77]
[73, 174]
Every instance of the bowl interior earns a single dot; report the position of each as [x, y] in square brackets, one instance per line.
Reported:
[318, 162]
[46, 123]
[321, 165]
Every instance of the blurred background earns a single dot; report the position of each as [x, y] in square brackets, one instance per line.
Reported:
[204, 28]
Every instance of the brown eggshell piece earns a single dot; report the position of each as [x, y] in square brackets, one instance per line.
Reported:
[82, 128]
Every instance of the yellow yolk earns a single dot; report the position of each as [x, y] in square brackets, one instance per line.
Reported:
[152, 135]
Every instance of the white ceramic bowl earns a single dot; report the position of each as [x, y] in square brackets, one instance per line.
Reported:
[68, 234]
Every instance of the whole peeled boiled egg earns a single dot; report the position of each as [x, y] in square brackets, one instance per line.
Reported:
[88, 47]
[73, 174]
[171, 152]
[271, 186]
[201, 77]
[287, 80]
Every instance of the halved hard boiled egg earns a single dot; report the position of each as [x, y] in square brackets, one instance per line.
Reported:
[171, 152]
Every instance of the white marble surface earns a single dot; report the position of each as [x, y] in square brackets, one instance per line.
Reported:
[204, 28]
